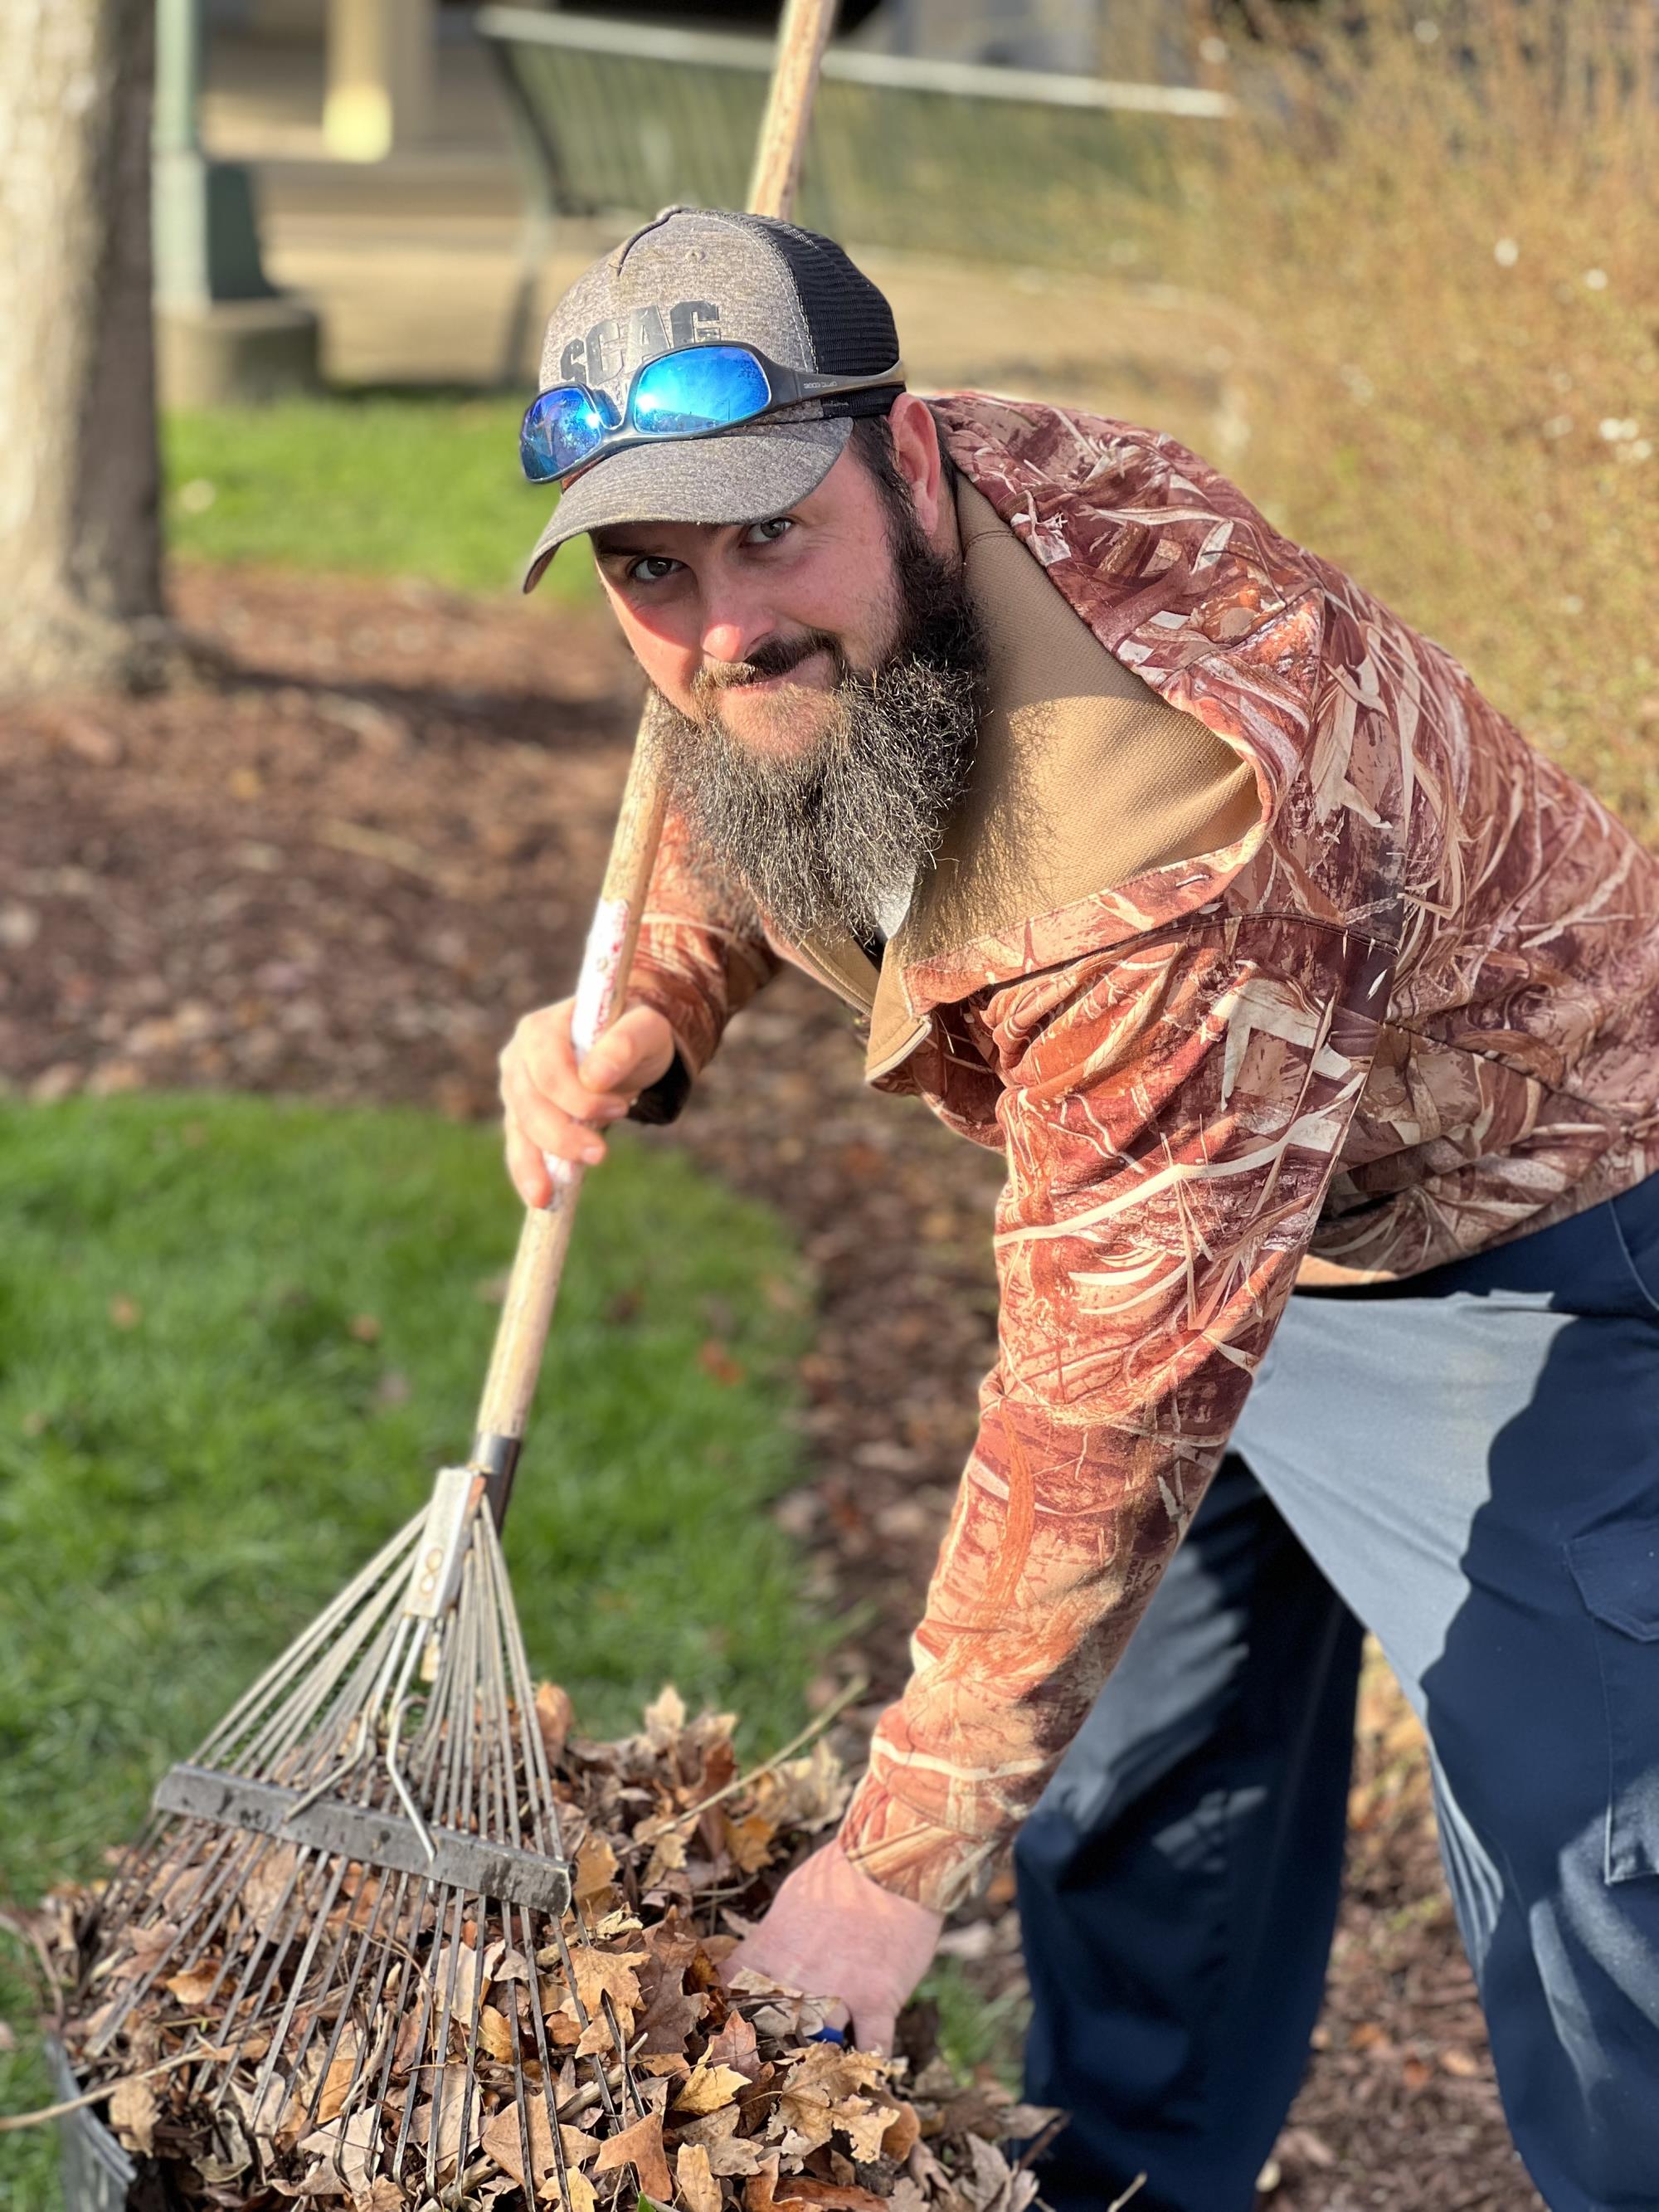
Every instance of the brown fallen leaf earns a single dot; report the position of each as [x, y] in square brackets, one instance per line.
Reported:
[759, 2191]
[553, 1716]
[133, 2113]
[735, 2045]
[699, 2189]
[495, 2035]
[901, 2134]
[151, 1945]
[716, 1362]
[596, 1870]
[269, 1888]
[1461, 2064]
[749, 1840]
[502, 2140]
[709, 2088]
[337, 2083]
[639, 2147]
[193, 1988]
[729, 2152]
[864, 2126]
[600, 1974]
[833, 2195]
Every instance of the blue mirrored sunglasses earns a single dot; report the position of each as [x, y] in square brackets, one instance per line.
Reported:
[688, 394]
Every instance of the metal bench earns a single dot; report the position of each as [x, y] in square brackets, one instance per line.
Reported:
[616, 120]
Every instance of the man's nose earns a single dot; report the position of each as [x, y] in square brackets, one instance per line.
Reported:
[732, 629]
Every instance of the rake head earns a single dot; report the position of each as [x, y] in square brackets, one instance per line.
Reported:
[364, 1849]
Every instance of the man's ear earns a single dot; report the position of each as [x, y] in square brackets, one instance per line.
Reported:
[917, 457]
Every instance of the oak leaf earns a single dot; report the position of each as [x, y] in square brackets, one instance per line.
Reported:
[699, 2189]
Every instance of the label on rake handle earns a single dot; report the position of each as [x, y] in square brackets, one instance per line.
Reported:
[600, 985]
[470, 1863]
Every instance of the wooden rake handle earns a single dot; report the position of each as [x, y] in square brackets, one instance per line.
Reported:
[602, 987]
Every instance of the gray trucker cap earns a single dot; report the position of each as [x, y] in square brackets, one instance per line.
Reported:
[695, 276]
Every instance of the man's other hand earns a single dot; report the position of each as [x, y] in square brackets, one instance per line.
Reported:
[832, 1932]
[554, 1106]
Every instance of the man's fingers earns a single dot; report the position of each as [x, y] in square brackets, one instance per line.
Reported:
[874, 2031]
[541, 1051]
[542, 1122]
[633, 1052]
[527, 1167]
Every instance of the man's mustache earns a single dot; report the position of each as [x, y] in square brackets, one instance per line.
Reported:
[773, 656]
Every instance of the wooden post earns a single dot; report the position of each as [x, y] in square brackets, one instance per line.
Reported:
[380, 76]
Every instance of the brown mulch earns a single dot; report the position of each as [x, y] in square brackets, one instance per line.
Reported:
[345, 871]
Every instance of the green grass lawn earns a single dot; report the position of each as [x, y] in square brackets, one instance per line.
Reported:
[236, 1337]
[371, 484]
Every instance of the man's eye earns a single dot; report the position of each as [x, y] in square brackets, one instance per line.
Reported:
[650, 569]
[767, 533]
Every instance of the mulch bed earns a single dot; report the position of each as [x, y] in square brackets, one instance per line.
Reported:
[345, 870]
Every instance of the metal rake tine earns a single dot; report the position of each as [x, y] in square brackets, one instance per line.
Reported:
[134, 1875]
[355, 1707]
[585, 2019]
[630, 2086]
[418, 1903]
[366, 1932]
[550, 2084]
[471, 2081]
[521, 2105]
[441, 2040]
[289, 1908]
[548, 1838]
[228, 1850]
[296, 1984]
[292, 1661]
[145, 1897]
[334, 1685]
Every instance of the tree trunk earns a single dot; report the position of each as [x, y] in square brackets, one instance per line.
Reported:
[80, 540]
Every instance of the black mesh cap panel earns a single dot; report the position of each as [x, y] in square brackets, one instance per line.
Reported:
[851, 324]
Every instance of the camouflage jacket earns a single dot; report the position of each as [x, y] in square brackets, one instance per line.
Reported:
[1412, 1011]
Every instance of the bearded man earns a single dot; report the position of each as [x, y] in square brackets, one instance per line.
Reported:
[1165, 860]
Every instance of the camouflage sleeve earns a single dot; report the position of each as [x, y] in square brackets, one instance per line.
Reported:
[701, 956]
[1172, 1110]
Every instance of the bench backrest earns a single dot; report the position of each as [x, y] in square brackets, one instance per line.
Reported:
[947, 157]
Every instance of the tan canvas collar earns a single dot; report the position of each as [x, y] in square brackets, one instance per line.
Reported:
[1081, 776]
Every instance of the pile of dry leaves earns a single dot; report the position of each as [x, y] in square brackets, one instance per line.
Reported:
[663, 2080]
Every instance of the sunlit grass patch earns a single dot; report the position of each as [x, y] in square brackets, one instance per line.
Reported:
[374, 483]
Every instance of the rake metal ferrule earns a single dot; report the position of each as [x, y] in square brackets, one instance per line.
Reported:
[495, 1457]
[357, 1831]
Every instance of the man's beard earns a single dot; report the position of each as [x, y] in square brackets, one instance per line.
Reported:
[834, 831]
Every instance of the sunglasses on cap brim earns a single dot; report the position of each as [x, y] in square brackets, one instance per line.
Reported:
[693, 394]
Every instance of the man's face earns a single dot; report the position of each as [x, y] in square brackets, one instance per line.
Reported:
[754, 625]
[818, 675]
